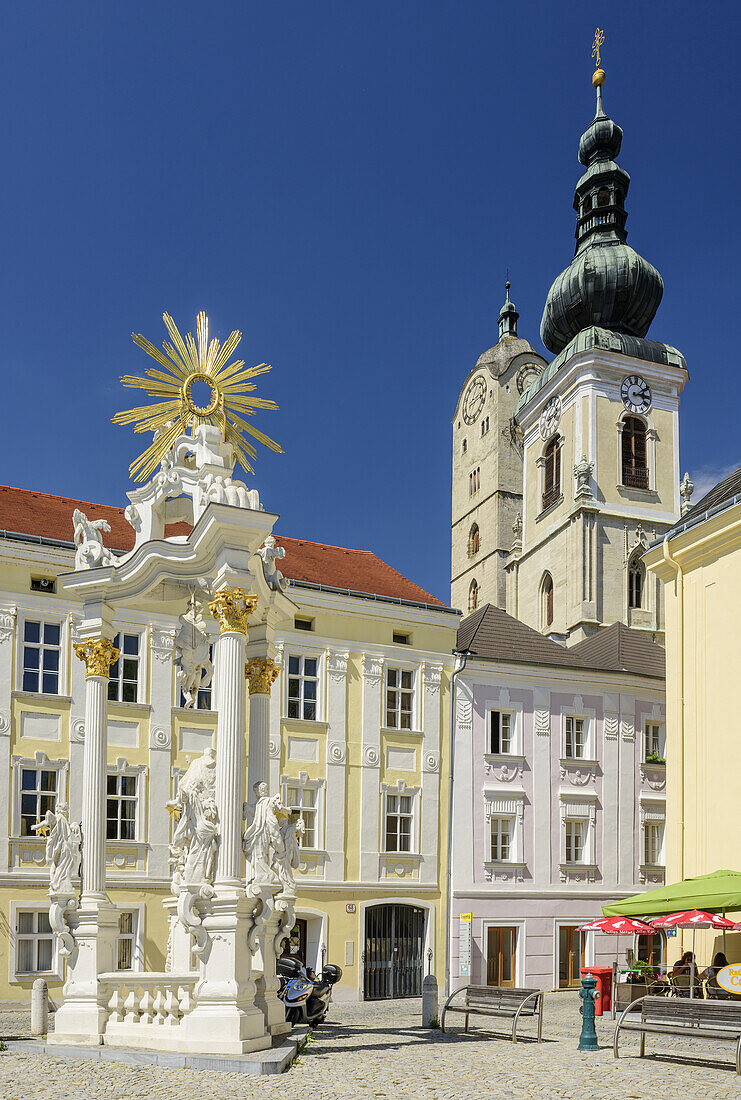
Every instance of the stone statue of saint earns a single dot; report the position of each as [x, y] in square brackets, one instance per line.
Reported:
[62, 853]
[289, 855]
[194, 669]
[88, 539]
[193, 848]
[270, 553]
[262, 838]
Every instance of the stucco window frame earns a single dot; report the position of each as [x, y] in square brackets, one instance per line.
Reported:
[511, 805]
[143, 669]
[560, 440]
[140, 773]
[303, 781]
[652, 812]
[295, 649]
[661, 723]
[400, 788]
[415, 667]
[516, 713]
[57, 959]
[44, 615]
[40, 761]
[574, 808]
[651, 438]
[589, 716]
[138, 908]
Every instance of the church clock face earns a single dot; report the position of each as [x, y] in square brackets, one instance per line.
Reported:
[636, 394]
[474, 399]
[550, 417]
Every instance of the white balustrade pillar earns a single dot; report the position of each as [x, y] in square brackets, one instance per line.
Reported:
[232, 608]
[260, 672]
[98, 654]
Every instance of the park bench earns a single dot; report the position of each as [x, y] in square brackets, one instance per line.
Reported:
[499, 1001]
[696, 1019]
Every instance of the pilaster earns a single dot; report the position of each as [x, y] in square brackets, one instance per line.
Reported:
[161, 652]
[334, 837]
[430, 808]
[370, 789]
[7, 646]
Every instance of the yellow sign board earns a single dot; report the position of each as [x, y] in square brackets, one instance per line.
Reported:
[729, 978]
[466, 916]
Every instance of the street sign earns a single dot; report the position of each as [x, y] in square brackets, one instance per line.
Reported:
[464, 944]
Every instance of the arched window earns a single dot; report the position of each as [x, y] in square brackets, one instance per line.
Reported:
[473, 596]
[552, 481]
[587, 206]
[603, 197]
[635, 470]
[473, 540]
[636, 582]
[546, 590]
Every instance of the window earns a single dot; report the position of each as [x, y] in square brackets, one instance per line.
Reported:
[473, 596]
[474, 540]
[303, 681]
[41, 657]
[121, 807]
[125, 941]
[34, 942]
[576, 738]
[398, 823]
[501, 839]
[655, 747]
[552, 479]
[474, 481]
[635, 470]
[603, 197]
[401, 639]
[575, 831]
[636, 580]
[485, 425]
[44, 584]
[38, 794]
[203, 701]
[303, 624]
[304, 800]
[464, 445]
[123, 682]
[587, 206]
[653, 837]
[399, 698]
[500, 732]
[547, 600]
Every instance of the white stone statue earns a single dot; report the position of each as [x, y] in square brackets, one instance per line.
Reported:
[193, 848]
[224, 490]
[289, 855]
[686, 489]
[194, 669]
[270, 553]
[262, 838]
[62, 854]
[89, 542]
[582, 472]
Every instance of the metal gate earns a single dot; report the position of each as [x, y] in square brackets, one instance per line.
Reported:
[394, 951]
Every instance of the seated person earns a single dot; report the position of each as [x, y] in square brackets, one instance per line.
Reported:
[719, 961]
[683, 965]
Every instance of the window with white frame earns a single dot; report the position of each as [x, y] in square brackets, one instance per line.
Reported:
[41, 657]
[653, 843]
[34, 942]
[655, 743]
[126, 939]
[501, 732]
[121, 802]
[204, 698]
[398, 824]
[501, 833]
[303, 687]
[304, 801]
[399, 698]
[575, 740]
[123, 681]
[38, 794]
[575, 840]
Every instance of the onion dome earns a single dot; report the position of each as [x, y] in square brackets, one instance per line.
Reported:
[607, 283]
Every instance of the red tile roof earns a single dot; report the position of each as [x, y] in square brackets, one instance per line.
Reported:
[26, 512]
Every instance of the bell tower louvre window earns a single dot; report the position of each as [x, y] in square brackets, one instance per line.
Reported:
[635, 470]
[552, 481]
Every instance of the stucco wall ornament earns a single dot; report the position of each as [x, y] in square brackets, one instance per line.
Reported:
[62, 854]
[270, 553]
[583, 471]
[194, 669]
[686, 489]
[193, 848]
[88, 538]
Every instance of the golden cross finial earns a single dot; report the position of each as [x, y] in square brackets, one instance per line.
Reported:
[599, 38]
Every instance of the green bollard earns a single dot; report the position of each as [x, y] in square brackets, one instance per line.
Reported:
[588, 994]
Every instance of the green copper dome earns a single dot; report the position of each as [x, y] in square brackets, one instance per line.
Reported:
[607, 283]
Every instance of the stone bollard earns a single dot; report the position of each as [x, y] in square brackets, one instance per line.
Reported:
[429, 1000]
[39, 1007]
[589, 994]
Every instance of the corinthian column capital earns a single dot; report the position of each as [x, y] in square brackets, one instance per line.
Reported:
[232, 608]
[98, 654]
[261, 672]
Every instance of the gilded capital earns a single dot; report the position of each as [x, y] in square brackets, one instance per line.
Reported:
[261, 672]
[98, 654]
[232, 607]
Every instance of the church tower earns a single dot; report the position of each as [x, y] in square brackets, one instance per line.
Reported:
[599, 426]
[487, 465]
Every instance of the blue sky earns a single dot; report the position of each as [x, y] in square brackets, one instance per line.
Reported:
[347, 184]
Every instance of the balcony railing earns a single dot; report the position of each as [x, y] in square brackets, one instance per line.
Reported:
[635, 477]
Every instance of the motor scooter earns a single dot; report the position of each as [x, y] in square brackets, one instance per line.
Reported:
[306, 996]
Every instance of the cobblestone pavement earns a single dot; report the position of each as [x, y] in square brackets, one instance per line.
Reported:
[380, 1050]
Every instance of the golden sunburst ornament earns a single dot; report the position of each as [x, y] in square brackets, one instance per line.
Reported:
[190, 363]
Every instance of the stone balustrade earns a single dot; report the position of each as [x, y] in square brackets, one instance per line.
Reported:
[146, 1009]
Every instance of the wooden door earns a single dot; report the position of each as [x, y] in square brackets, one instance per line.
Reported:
[571, 943]
[501, 956]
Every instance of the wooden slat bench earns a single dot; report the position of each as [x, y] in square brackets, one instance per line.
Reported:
[696, 1019]
[494, 1000]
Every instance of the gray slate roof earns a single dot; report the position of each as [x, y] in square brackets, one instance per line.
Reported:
[491, 634]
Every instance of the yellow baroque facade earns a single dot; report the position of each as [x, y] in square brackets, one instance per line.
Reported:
[359, 733]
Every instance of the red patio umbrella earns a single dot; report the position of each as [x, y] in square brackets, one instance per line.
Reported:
[618, 926]
[694, 919]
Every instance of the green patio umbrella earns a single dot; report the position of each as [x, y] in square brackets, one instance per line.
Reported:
[718, 892]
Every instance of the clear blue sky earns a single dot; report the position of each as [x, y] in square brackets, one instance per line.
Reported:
[347, 184]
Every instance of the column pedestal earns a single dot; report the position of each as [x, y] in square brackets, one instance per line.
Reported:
[81, 1018]
[267, 981]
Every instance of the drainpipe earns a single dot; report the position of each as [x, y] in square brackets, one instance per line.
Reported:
[462, 658]
[679, 581]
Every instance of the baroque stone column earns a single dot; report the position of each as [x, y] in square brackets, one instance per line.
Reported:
[260, 672]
